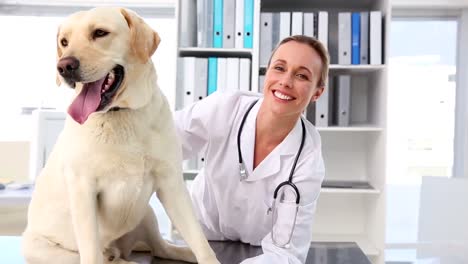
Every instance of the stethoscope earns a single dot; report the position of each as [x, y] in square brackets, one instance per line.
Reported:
[289, 182]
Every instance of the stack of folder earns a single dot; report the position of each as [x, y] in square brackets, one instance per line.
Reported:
[333, 108]
[220, 24]
[216, 23]
[203, 76]
[276, 26]
[360, 38]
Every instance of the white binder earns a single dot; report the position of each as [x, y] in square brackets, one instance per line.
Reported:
[188, 18]
[221, 81]
[205, 23]
[344, 38]
[285, 25]
[266, 35]
[261, 81]
[308, 26]
[232, 74]
[309, 112]
[201, 79]
[322, 109]
[189, 81]
[239, 29]
[180, 83]
[229, 23]
[244, 74]
[322, 33]
[364, 38]
[375, 37]
[297, 23]
[200, 160]
[343, 95]
[275, 28]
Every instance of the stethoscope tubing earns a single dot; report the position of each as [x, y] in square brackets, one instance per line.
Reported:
[289, 181]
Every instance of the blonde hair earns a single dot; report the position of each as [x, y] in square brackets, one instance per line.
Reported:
[317, 46]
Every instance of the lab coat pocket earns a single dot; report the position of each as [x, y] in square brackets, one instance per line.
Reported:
[284, 221]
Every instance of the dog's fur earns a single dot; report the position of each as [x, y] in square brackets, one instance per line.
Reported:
[90, 203]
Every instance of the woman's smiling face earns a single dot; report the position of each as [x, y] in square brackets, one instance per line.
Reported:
[291, 80]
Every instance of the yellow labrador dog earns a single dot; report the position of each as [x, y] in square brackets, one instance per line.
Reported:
[118, 147]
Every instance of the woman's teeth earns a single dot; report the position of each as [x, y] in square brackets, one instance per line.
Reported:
[282, 96]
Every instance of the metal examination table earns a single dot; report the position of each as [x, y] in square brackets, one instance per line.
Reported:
[227, 253]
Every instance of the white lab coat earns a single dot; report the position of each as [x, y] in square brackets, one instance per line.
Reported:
[229, 209]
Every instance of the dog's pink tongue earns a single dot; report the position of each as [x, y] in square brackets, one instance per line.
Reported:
[87, 101]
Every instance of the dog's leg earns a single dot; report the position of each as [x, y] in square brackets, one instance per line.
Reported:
[38, 250]
[147, 232]
[83, 208]
[175, 198]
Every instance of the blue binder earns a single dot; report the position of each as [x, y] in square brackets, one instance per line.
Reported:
[248, 23]
[212, 74]
[355, 38]
[218, 24]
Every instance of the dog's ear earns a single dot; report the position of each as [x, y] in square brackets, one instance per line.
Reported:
[144, 40]
[58, 56]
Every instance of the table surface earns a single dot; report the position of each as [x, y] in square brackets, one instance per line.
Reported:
[227, 253]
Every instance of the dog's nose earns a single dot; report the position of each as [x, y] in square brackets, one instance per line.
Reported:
[68, 66]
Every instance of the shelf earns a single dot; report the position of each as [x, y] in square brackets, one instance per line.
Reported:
[314, 5]
[354, 152]
[349, 191]
[215, 52]
[355, 69]
[357, 128]
[363, 242]
[348, 187]
[337, 69]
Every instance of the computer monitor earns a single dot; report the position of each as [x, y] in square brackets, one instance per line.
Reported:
[48, 125]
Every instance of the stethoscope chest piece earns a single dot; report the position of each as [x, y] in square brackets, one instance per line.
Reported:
[243, 173]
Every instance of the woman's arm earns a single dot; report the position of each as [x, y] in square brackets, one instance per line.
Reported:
[191, 129]
[198, 122]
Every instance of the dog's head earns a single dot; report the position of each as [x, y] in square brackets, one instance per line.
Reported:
[104, 53]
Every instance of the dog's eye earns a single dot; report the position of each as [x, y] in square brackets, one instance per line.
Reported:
[64, 42]
[98, 33]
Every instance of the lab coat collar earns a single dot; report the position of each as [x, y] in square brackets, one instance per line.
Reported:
[271, 165]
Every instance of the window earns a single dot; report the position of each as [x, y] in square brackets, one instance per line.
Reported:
[422, 89]
[28, 66]
[424, 112]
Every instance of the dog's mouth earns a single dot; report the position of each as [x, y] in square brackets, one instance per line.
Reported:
[96, 95]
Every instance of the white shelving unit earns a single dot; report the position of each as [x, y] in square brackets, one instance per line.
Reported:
[354, 153]
[216, 52]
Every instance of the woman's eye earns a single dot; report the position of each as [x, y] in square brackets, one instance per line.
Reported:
[303, 77]
[64, 42]
[98, 33]
[279, 68]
